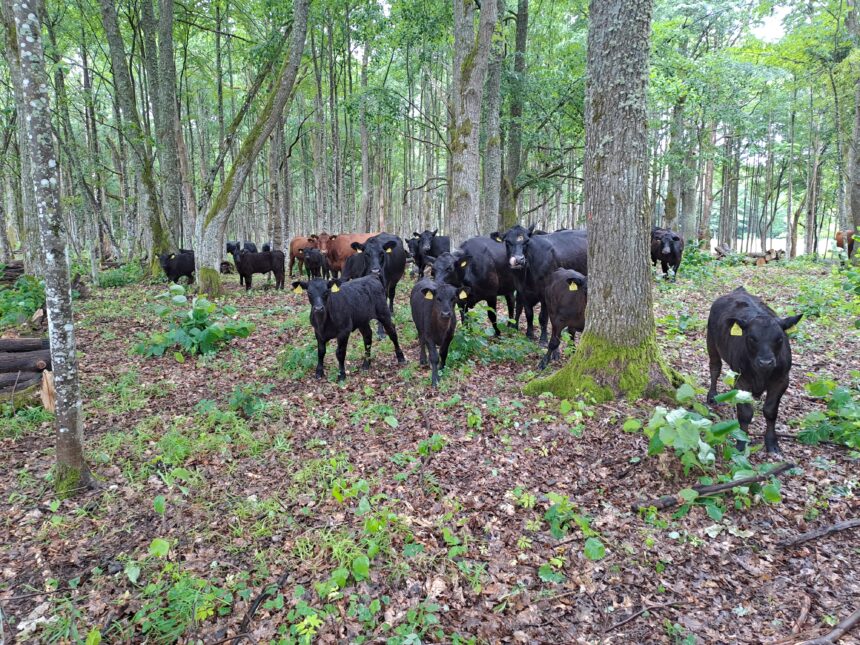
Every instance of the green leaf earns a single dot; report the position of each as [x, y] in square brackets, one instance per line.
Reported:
[714, 511]
[94, 637]
[771, 494]
[339, 576]
[413, 549]
[594, 549]
[547, 574]
[132, 571]
[159, 548]
[361, 567]
[159, 504]
[685, 393]
[179, 299]
[726, 396]
[688, 494]
[179, 356]
[392, 421]
[565, 407]
[631, 425]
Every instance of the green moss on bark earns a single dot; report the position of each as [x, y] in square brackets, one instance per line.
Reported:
[69, 481]
[605, 371]
[210, 282]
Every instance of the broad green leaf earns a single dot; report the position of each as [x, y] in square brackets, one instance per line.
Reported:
[94, 637]
[159, 504]
[771, 494]
[159, 548]
[631, 425]
[688, 494]
[594, 549]
[548, 574]
[361, 567]
[392, 421]
[685, 393]
[132, 572]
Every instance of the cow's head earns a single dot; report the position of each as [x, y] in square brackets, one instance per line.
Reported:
[376, 252]
[444, 297]
[763, 336]
[449, 267]
[425, 239]
[516, 241]
[318, 291]
[323, 240]
[164, 260]
[669, 241]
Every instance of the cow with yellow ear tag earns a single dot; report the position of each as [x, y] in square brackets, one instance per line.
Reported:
[340, 308]
[384, 257]
[749, 336]
[435, 320]
[566, 297]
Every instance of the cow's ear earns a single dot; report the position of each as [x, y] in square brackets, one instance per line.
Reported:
[332, 237]
[313, 237]
[736, 327]
[789, 324]
[300, 287]
[333, 286]
[358, 247]
[429, 259]
[463, 262]
[572, 284]
[389, 246]
[531, 229]
[428, 293]
[434, 231]
[496, 237]
[463, 293]
[415, 234]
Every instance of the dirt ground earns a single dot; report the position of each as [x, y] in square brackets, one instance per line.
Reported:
[297, 510]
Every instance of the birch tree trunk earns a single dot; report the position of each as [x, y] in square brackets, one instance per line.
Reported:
[471, 57]
[72, 474]
[211, 227]
[617, 354]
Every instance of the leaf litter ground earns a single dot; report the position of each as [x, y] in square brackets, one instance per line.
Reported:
[453, 528]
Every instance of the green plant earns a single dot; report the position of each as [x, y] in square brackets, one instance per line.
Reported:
[839, 422]
[14, 423]
[246, 399]
[19, 303]
[418, 622]
[200, 330]
[474, 341]
[131, 273]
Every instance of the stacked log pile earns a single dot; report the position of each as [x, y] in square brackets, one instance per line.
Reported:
[22, 361]
[11, 273]
[757, 258]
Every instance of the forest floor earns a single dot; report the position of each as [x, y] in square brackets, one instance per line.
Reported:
[240, 496]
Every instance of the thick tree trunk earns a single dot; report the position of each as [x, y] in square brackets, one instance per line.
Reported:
[513, 156]
[492, 184]
[726, 234]
[854, 165]
[167, 130]
[471, 57]
[676, 162]
[72, 474]
[210, 229]
[704, 232]
[364, 213]
[617, 354]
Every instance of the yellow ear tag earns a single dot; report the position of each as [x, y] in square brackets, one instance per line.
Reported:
[298, 289]
[428, 295]
[463, 263]
[791, 329]
[388, 250]
[335, 288]
[736, 330]
[463, 295]
[573, 286]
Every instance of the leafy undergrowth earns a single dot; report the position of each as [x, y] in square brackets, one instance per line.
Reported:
[240, 495]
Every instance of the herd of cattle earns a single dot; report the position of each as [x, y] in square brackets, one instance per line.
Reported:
[352, 279]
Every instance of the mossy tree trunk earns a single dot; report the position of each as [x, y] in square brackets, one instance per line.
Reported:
[617, 353]
[72, 474]
[471, 57]
[489, 208]
[211, 227]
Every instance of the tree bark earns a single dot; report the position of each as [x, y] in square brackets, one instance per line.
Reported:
[167, 130]
[513, 156]
[72, 474]
[364, 213]
[617, 354]
[210, 229]
[492, 184]
[471, 57]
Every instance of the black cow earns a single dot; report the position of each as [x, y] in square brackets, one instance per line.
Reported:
[233, 247]
[533, 257]
[667, 247]
[356, 266]
[746, 333]
[176, 265]
[481, 265]
[429, 245]
[316, 264]
[247, 264]
[433, 314]
[339, 309]
[386, 259]
[566, 296]
[267, 246]
[411, 254]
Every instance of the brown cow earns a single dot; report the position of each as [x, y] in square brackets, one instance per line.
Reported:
[297, 249]
[340, 248]
[322, 242]
[840, 241]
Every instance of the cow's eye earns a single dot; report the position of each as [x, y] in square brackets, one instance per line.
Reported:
[752, 339]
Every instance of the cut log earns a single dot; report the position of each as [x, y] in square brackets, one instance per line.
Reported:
[23, 392]
[822, 532]
[722, 251]
[671, 501]
[25, 361]
[23, 344]
[12, 379]
[49, 394]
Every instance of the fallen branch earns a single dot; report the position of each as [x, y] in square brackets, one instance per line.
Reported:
[804, 613]
[671, 501]
[838, 632]
[822, 532]
[246, 621]
[642, 611]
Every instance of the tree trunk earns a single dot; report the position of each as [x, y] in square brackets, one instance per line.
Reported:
[704, 233]
[471, 57]
[854, 164]
[840, 160]
[167, 131]
[133, 133]
[513, 156]
[366, 196]
[617, 354]
[72, 474]
[210, 229]
[489, 205]
[675, 162]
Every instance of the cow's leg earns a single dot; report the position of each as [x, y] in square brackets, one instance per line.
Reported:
[320, 373]
[771, 410]
[443, 350]
[519, 307]
[542, 319]
[715, 363]
[434, 363]
[491, 314]
[665, 267]
[342, 342]
[367, 336]
[509, 299]
[292, 262]
[554, 342]
[745, 412]
[422, 353]
[388, 326]
[248, 280]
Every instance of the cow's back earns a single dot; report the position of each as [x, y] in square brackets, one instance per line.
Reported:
[340, 248]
